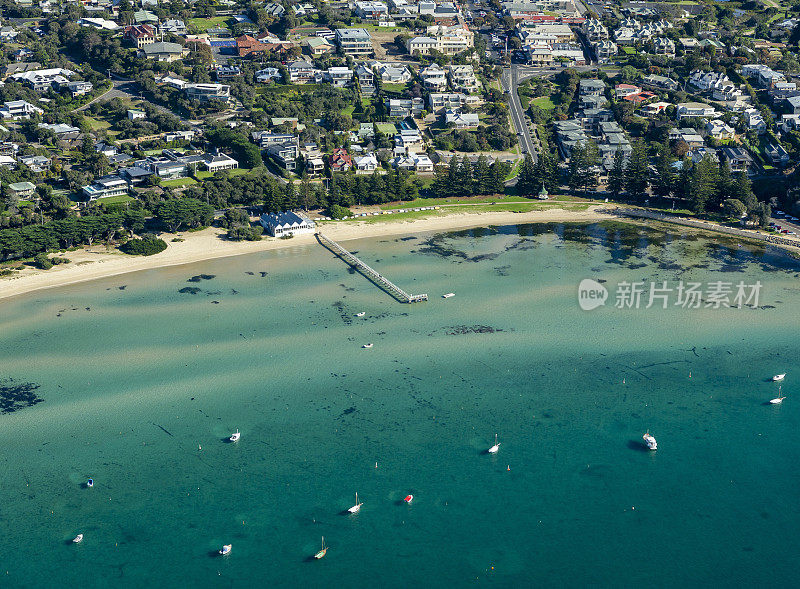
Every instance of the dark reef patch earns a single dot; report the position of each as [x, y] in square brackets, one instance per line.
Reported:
[15, 396]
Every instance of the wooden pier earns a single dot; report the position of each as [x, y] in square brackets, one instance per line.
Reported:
[373, 276]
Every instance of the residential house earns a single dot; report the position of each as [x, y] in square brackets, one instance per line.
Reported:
[105, 187]
[719, 130]
[18, 109]
[8, 34]
[594, 30]
[100, 24]
[738, 158]
[659, 82]
[207, 91]
[340, 160]
[142, 17]
[134, 114]
[162, 51]
[654, 108]
[43, 80]
[434, 78]
[354, 41]
[339, 76]
[36, 163]
[623, 90]
[218, 162]
[22, 189]
[461, 120]
[408, 141]
[316, 46]
[764, 76]
[286, 223]
[604, 50]
[777, 155]
[404, 107]
[687, 135]
[78, 88]
[392, 73]
[367, 163]
[753, 121]
[139, 35]
[591, 87]
[441, 101]
[370, 10]
[105, 149]
[173, 25]
[301, 72]
[421, 45]
[61, 130]
[694, 110]
[224, 72]
[663, 46]
[265, 138]
[708, 80]
[462, 78]
[285, 154]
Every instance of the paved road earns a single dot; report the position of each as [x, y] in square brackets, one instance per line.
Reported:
[510, 81]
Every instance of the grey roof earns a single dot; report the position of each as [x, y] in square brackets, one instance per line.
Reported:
[162, 47]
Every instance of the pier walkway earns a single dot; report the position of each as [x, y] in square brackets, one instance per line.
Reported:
[373, 276]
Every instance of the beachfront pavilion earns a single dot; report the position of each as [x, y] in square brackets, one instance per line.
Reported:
[288, 222]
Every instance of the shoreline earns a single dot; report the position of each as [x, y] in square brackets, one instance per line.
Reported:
[94, 263]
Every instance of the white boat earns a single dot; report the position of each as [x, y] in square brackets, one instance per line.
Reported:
[357, 507]
[226, 549]
[78, 539]
[360, 314]
[90, 483]
[778, 377]
[367, 346]
[777, 400]
[408, 498]
[323, 551]
[235, 436]
[448, 295]
[496, 447]
[650, 441]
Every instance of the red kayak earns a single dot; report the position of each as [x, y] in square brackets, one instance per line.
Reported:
[408, 498]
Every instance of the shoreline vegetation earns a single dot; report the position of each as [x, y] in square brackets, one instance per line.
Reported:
[97, 262]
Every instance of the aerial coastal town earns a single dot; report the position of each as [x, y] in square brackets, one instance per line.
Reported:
[123, 120]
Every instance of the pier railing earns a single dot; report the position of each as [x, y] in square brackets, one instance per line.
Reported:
[373, 276]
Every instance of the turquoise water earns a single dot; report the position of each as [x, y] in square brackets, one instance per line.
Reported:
[141, 384]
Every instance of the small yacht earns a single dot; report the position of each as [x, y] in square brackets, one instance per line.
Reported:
[448, 295]
[496, 447]
[357, 507]
[367, 346]
[226, 549]
[323, 551]
[235, 436]
[408, 498]
[78, 539]
[778, 377]
[650, 441]
[90, 483]
[360, 314]
[777, 400]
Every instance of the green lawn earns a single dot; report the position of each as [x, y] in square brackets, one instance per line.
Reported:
[349, 110]
[214, 22]
[115, 200]
[97, 124]
[178, 182]
[395, 88]
[544, 102]
[237, 172]
[629, 50]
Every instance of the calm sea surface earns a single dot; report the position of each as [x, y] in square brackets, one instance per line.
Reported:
[140, 384]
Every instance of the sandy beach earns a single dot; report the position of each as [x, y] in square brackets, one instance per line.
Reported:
[96, 262]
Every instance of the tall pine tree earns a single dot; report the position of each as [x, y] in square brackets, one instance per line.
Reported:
[636, 172]
[664, 181]
[527, 180]
[703, 183]
[616, 176]
[480, 176]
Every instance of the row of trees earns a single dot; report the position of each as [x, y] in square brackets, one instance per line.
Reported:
[461, 178]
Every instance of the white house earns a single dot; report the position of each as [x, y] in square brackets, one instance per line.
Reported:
[286, 223]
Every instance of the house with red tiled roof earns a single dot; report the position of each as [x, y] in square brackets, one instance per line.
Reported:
[340, 160]
[639, 98]
[248, 46]
[139, 35]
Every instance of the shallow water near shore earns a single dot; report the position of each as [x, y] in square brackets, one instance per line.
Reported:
[140, 384]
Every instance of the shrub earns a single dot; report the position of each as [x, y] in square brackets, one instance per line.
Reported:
[147, 246]
[42, 261]
[337, 212]
[245, 233]
[56, 260]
